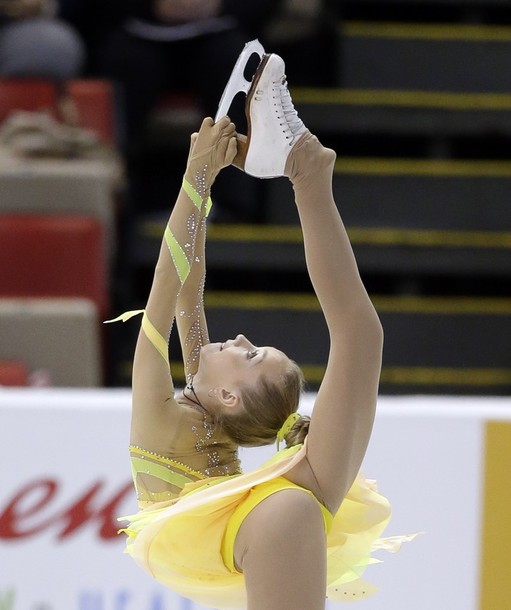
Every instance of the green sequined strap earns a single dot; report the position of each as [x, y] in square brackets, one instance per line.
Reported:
[196, 198]
[141, 465]
[178, 255]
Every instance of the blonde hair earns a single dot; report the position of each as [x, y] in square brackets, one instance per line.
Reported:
[266, 406]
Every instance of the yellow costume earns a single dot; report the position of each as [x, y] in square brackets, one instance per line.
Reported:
[186, 543]
[194, 498]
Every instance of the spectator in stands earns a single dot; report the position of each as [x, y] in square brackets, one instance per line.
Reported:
[305, 31]
[34, 43]
[152, 47]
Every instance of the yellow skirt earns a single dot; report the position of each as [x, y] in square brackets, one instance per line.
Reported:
[187, 543]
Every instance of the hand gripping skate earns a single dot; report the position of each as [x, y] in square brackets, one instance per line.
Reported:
[237, 81]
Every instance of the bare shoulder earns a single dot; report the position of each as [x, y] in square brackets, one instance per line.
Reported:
[163, 429]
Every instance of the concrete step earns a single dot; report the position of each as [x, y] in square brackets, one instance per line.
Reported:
[458, 195]
[428, 113]
[432, 345]
[403, 217]
[419, 56]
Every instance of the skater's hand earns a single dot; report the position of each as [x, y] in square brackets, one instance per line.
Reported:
[181, 11]
[212, 148]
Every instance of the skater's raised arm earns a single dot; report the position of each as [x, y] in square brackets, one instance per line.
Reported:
[345, 406]
[190, 315]
[154, 407]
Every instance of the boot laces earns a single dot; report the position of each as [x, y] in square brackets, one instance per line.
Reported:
[292, 123]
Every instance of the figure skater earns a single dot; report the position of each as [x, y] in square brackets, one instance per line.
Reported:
[301, 527]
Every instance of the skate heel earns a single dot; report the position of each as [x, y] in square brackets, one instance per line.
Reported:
[241, 155]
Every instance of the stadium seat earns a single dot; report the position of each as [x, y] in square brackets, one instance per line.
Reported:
[26, 94]
[57, 339]
[13, 373]
[93, 100]
[94, 103]
[51, 256]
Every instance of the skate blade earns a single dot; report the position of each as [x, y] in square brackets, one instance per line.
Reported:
[237, 81]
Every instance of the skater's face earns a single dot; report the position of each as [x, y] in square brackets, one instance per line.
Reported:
[238, 362]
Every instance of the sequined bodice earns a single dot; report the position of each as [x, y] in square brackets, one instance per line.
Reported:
[197, 452]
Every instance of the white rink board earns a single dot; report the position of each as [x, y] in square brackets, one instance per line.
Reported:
[61, 445]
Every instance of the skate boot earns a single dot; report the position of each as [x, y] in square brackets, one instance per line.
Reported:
[273, 123]
[237, 81]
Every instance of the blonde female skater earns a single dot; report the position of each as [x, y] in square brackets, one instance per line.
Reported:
[302, 526]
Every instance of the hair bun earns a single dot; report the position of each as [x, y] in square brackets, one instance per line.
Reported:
[298, 431]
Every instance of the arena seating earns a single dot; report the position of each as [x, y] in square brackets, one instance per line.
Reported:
[29, 95]
[57, 242]
[41, 258]
[49, 256]
[420, 116]
[56, 340]
[13, 373]
[93, 100]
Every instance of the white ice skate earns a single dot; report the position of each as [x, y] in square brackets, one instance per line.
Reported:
[237, 81]
[273, 123]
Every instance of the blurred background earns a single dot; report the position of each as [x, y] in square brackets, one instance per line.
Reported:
[97, 101]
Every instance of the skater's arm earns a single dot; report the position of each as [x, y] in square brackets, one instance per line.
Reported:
[190, 315]
[345, 406]
[154, 408]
